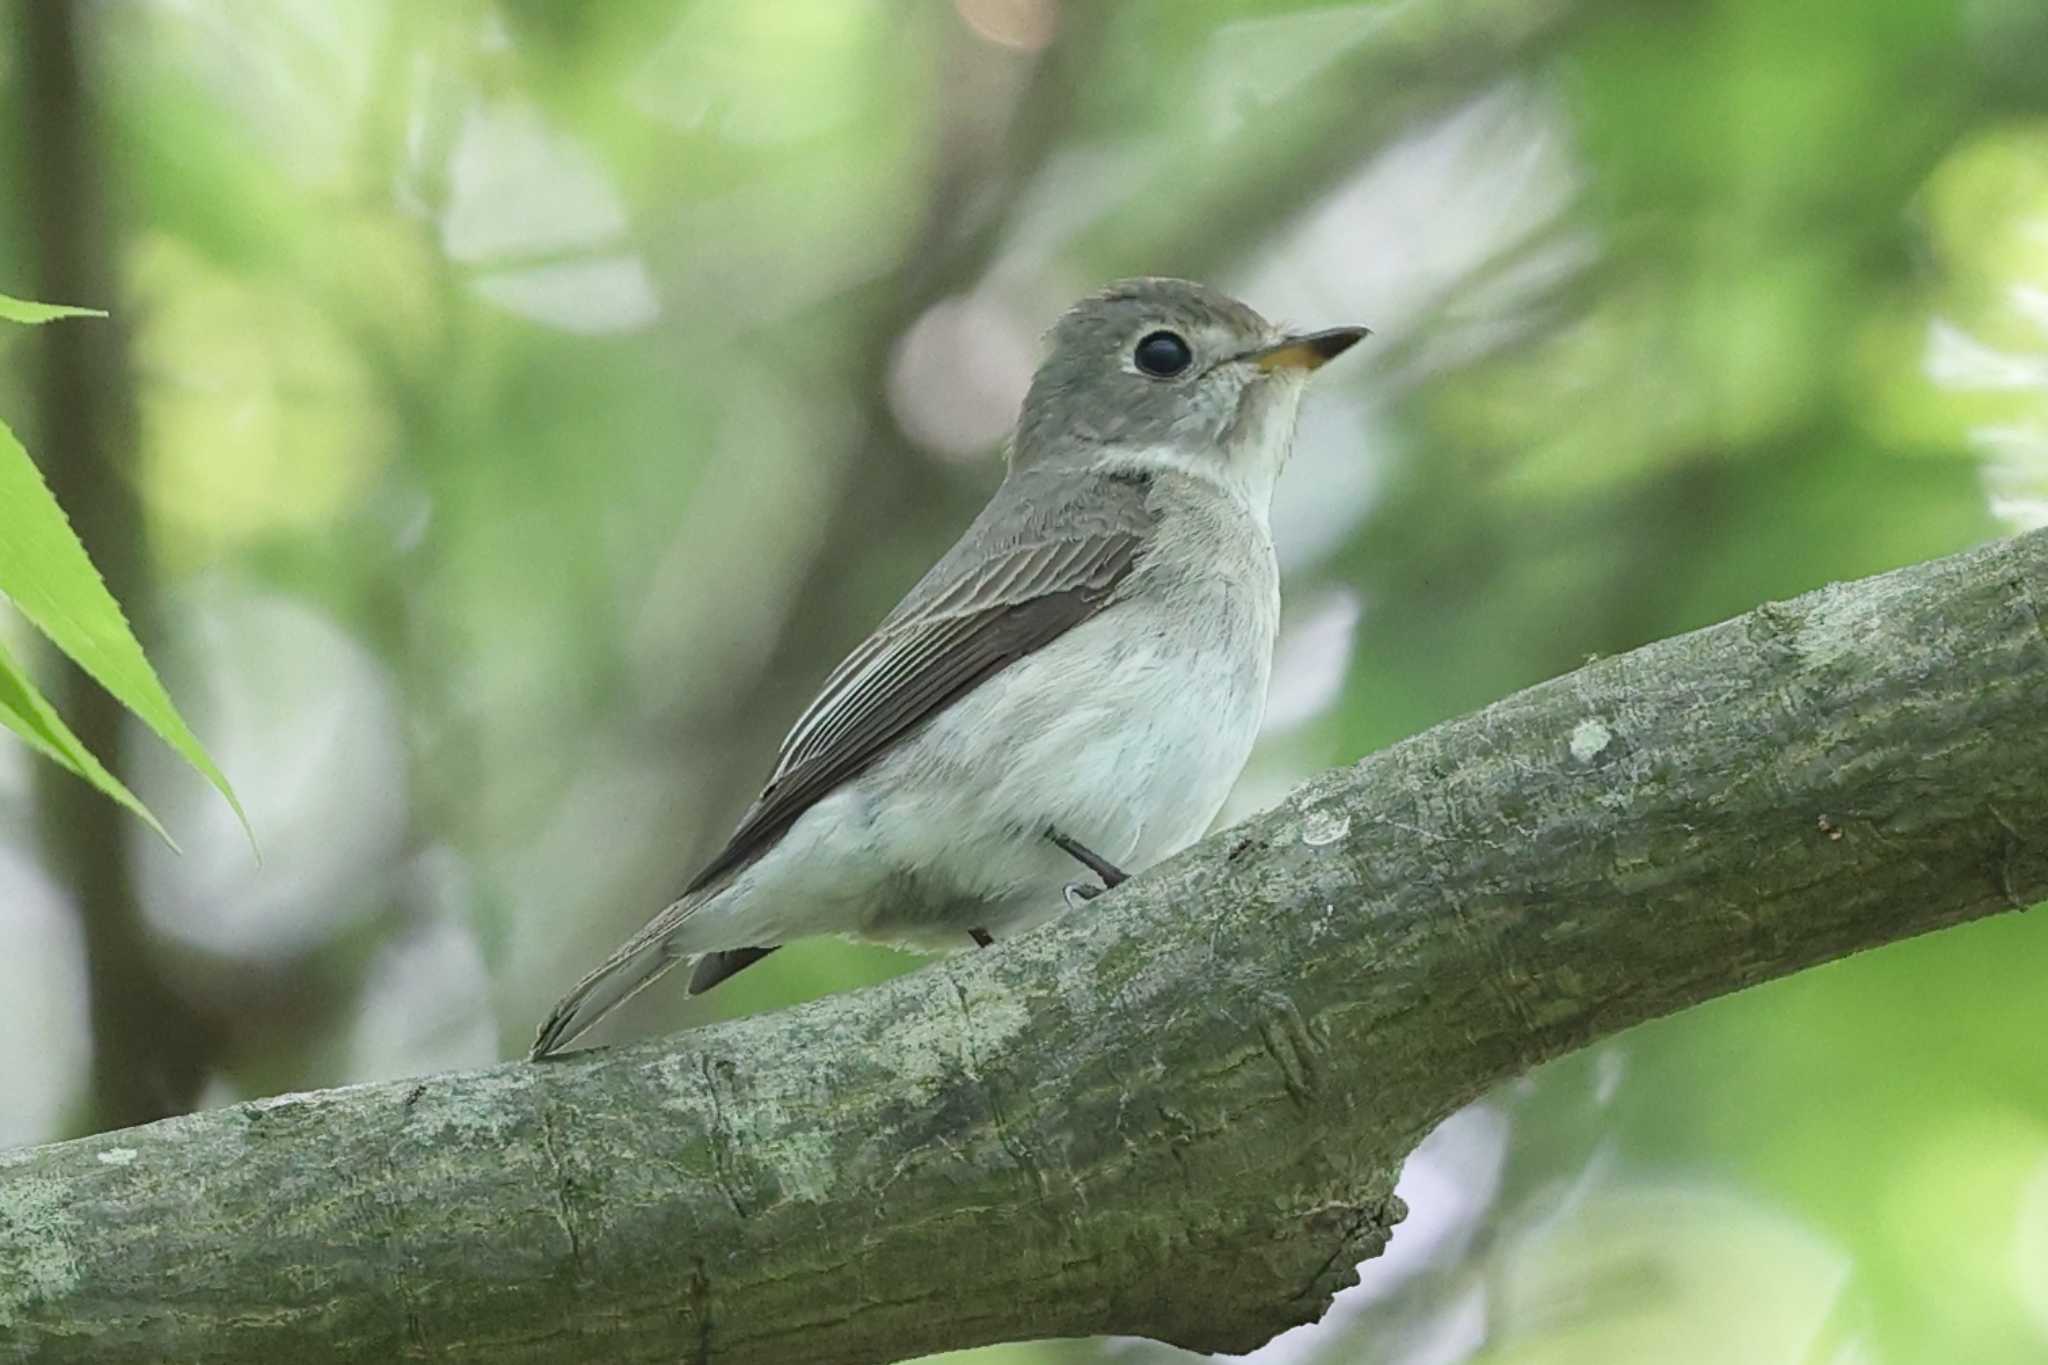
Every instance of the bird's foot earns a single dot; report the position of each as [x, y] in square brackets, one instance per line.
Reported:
[1110, 873]
[1078, 894]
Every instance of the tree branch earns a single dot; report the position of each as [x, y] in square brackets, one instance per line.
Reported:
[150, 1047]
[1179, 1113]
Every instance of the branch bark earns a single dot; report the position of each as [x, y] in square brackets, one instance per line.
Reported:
[1178, 1114]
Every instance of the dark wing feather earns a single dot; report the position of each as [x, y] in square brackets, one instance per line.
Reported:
[712, 968]
[922, 659]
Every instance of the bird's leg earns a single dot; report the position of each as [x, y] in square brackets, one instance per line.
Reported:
[1110, 873]
[982, 937]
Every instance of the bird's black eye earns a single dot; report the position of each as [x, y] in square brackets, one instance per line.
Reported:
[1163, 354]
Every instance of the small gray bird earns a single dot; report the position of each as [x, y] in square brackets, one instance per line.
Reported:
[1077, 684]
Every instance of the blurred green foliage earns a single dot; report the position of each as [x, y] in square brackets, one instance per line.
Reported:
[534, 400]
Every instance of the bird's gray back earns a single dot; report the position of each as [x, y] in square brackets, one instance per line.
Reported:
[1035, 506]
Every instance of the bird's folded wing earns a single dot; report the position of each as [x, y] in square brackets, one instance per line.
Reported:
[955, 630]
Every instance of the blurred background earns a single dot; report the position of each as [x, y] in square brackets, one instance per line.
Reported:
[512, 410]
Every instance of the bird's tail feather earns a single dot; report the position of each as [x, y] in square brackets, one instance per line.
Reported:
[638, 964]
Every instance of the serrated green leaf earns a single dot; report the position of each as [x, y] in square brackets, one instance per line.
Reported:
[45, 571]
[29, 714]
[21, 310]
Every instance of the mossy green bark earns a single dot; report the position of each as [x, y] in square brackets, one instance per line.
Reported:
[1178, 1114]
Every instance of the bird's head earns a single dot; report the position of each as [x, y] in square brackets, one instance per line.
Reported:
[1173, 373]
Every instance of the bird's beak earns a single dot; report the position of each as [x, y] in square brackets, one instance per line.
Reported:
[1310, 350]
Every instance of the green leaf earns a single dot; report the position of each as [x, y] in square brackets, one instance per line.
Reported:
[26, 712]
[46, 573]
[21, 310]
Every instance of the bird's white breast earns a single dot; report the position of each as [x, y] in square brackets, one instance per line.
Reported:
[1126, 734]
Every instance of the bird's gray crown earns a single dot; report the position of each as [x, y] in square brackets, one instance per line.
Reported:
[1110, 382]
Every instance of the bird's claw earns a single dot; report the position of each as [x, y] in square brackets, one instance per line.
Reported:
[1111, 874]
